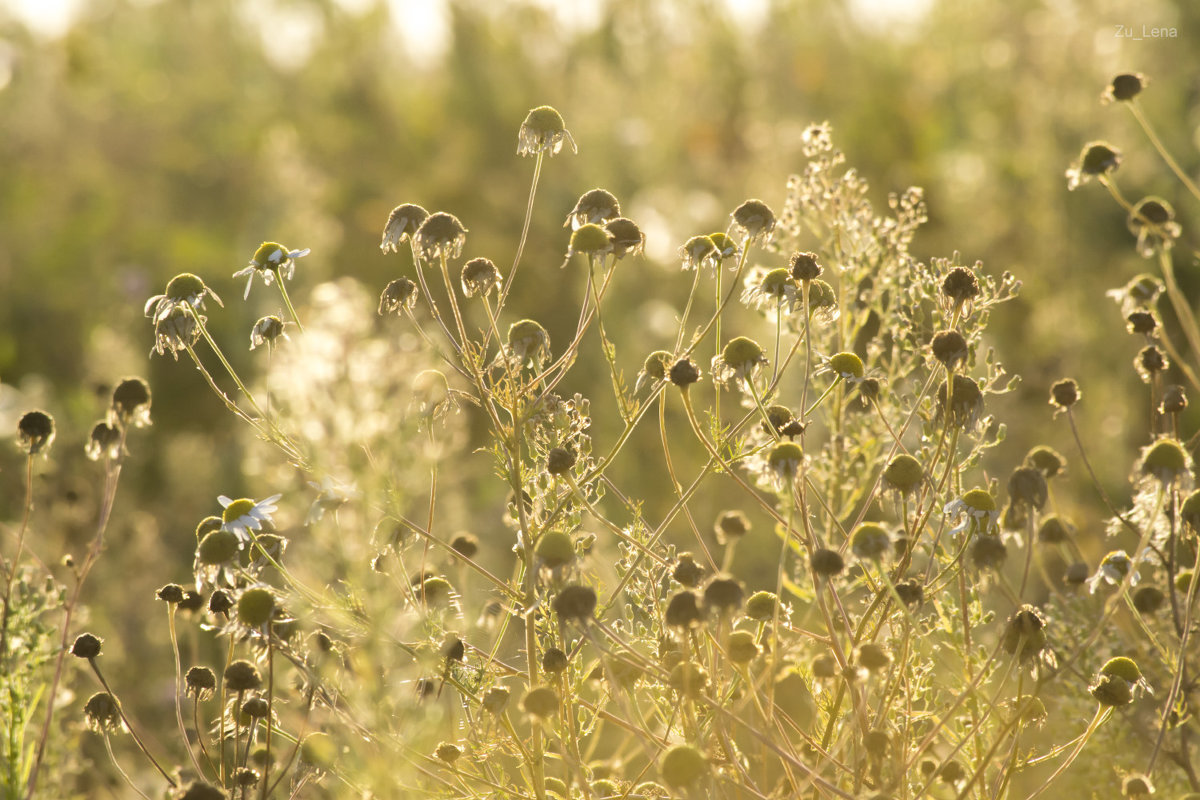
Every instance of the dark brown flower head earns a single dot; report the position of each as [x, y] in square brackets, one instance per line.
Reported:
[1124, 87]
[397, 296]
[220, 602]
[402, 224]
[627, 238]
[1148, 599]
[465, 544]
[1027, 486]
[541, 701]
[242, 676]
[873, 656]
[827, 563]
[441, 234]
[35, 432]
[559, 461]
[596, 206]
[1046, 460]
[480, 277]
[988, 552]
[1149, 362]
[966, 402]
[575, 602]
[103, 713]
[1064, 394]
[756, 220]
[731, 526]
[86, 646]
[131, 403]
[1174, 399]
[554, 661]
[1096, 158]
[683, 610]
[200, 682]
[171, 593]
[686, 571]
[1142, 322]
[960, 286]
[804, 266]
[1025, 635]
[1055, 530]
[910, 592]
[684, 373]
[724, 593]
[950, 348]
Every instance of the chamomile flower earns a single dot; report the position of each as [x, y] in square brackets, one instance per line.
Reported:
[975, 510]
[699, 252]
[270, 260]
[847, 366]
[402, 225]
[739, 360]
[244, 515]
[268, 331]
[1113, 569]
[770, 289]
[543, 131]
[185, 289]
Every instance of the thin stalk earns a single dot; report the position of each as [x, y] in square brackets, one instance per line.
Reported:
[287, 301]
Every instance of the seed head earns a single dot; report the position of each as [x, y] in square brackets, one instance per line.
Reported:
[397, 296]
[1148, 599]
[102, 712]
[804, 266]
[699, 251]
[448, 752]
[1096, 158]
[86, 646]
[318, 750]
[877, 743]
[1109, 690]
[1149, 362]
[480, 277]
[1137, 785]
[1054, 530]
[495, 699]
[1143, 322]
[594, 206]
[218, 547]
[1064, 394]
[846, 365]
[35, 432]
[590, 240]
[683, 610]
[1027, 487]
[827, 563]
[1174, 399]
[559, 461]
[731, 526]
[1046, 460]
[755, 220]
[784, 461]
[910, 592]
[242, 676]
[543, 131]
[528, 340]
[1152, 221]
[870, 541]
[742, 648]
[761, 606]
[1166, 461]
[554, 661]
[988, 552]
[575, 602]
[1076, 573]
[172, 593]
[540, 702]
[627, 237]
[950, 348]
[960, 286]
[103, 442]
[402, 224]
[1025, 635]
[684, 373]
[683, 765]
[654, 369]
[874, 657]
[200, 790]
[219, 602]
[966, 402]
[724, 593]
[131, 403]
[266, 331]
[904, 473]
[255, 708]
[200, 682]
[1124, 87]
[441, 234]
[555, 549]
[465, 544]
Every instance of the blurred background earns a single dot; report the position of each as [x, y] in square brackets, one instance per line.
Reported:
[144, 138]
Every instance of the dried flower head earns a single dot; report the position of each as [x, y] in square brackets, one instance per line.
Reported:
[1141, 292]
[804, 266]
[1174, 399]
[904, 474]
[270, 261]
[1046, 460]
[1055, 530]
[480, 277]
[397, 296]
[242, 676]
[1152, 221]
[1166, 461]
[739, 360]
[827, 563]
[402, 224]
[654, 369]
[1096, 159]
[1025, 635]
[130, 403]
[184, 292]
[627, 238]
[200, 683]
[596, 206]
[783, 462]
[575, 602]
[543, 131]
[528, 342]
[541, 701]
[724, 593]
[755, 220]
[966, 402]
[870, 541]
[950, 348]
[35, 432]
[267, 331]
[441, 235]
[683, 765]
[960, 287]
[103, 714]
[683, 610]
[684, 373]
[731, 526]
[589, 240]
[1113, 569]
[687, 571]
[770, 290]
[86, 646]
[1149, 362]
[976, 511]
[699, 252]
[1124, 88]
[1027, 487]
[1064, 394]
